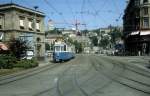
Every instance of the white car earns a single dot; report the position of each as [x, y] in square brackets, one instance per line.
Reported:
[29, 55]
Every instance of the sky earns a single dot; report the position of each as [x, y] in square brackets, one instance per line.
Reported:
[91, 14]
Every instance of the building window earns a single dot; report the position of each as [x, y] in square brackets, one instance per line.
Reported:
[38, 26]
[21, 22]
[137, 2]
[0, 22]
[30, 24]
[146, 22]
[145, 1]
[145, 11]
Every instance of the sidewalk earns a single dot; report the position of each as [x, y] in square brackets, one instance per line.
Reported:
[45, 61]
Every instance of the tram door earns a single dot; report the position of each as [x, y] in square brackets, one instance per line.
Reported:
[144, 48]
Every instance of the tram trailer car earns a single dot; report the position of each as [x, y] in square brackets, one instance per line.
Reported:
[63, 52]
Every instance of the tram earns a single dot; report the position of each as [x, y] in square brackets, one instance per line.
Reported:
[63, 52]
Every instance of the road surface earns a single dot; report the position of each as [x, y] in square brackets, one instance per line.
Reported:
[86, 75]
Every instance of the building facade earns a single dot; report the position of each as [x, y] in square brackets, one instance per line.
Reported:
[136, 29]
[52, 38]
[20, 22]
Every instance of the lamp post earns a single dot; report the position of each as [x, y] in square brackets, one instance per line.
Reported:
[139, 41]
[35, 41]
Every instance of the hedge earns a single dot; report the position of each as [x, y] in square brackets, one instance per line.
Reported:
[9, 62]
[26, 64]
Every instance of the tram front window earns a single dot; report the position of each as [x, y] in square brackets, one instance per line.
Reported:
[62, 48]
[57, 48]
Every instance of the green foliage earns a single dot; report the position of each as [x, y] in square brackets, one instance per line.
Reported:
[18, 47]
[54, 31]
[85, 32]
[47, 46]
[7, 61]
[26, 64]
[94, 40]
[97, 31]
[70, 40]
[78, 47]
[115, 34]
[104, 42]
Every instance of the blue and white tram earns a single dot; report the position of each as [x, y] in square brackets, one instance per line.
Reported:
[62, 52]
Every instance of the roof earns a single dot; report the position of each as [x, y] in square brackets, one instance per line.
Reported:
[13, 5]
[60, 43]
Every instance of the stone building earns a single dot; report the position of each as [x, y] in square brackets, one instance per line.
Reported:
[137, 27]
[20, 22]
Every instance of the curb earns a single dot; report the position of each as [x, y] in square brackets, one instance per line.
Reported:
[24, 72]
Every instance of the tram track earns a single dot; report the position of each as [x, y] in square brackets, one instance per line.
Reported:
[56, 81]
[120, 78]
[128, 69]
[77, 83]
[74, 87]
[133, 68]
[27, 73]
[43, 92]
[72, 80]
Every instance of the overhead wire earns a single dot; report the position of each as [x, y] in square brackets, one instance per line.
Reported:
[71, 10]
[117, 10]
[82, 15]
[59, 13]
[96, 13]
[83, 11]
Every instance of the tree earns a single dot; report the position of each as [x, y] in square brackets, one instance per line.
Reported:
[115, 35]
[94, 40]
[97, 31]
[78, 47]
[47, 46]
[18, 47]
[104, 42]
[70, 41]
[85, 32]
[54, 31]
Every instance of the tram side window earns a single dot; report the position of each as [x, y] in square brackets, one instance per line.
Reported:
[57, 48]
[62, 48]
[65, 48]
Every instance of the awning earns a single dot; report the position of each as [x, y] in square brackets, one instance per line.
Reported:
[135, 33]
[145, 33]
[141, 33]
[3, 46]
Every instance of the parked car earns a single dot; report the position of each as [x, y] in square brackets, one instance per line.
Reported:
[29, 55]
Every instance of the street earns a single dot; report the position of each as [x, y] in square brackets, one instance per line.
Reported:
[86, 75]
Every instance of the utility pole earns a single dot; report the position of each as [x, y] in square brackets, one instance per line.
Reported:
[35, 41]
[76, 26]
